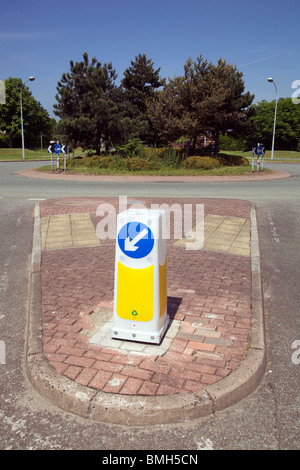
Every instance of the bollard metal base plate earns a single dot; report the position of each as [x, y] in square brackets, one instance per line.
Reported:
[135, 333]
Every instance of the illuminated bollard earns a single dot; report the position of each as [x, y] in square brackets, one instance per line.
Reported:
[140, 295]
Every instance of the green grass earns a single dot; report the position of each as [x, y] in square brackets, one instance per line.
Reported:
[7, 154]
[279, 155]
[283, 156]
[16, 154]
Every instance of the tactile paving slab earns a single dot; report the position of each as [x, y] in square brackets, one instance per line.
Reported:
[67, 231]
[224, 234]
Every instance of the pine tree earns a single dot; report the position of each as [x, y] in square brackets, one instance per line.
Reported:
[228, 107]
[207, 97]
[87, 104]
[139, 84]
[178, 109]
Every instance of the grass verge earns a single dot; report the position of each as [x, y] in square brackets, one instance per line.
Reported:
[279, 155]
[7, 154]
[16, 154]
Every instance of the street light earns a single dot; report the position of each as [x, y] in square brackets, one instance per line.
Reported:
[270, 79]
[30, 79]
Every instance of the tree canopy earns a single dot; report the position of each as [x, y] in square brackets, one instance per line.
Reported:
[93, 109]
[207, 97]
[35, 118]
[139, 84]
[87, 103]
[287, 124]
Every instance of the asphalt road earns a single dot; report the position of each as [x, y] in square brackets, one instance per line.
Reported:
[268, 419]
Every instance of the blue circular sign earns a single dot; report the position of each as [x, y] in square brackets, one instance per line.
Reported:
[135, 240]
[57, 149]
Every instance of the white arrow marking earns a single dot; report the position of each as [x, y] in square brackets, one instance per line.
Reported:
[129, 245]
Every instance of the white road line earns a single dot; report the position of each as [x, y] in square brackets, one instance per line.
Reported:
[273, 230]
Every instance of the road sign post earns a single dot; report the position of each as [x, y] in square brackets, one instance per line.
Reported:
[259, 151]
[50, 150]
[63, 149]
[260, 155]
[140, 295]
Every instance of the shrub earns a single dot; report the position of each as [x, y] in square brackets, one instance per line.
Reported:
[204, 163]
[153, 153]
[91, 162]
[168, 156]
[232, 160]
[132, 148]
[155, 159]
[106, 162]
[90, 153]
[4, 141]
[138, 164]
[227, 142]
[75, 161]
[173, 156]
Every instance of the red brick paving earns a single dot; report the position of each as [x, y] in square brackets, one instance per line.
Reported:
[208, 292]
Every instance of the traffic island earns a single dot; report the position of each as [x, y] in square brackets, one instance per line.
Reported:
[213, 353]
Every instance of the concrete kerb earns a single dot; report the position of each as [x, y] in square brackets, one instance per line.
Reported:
[245, 379]
[142, 410]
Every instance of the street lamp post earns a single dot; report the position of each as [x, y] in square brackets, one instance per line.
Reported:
[273, 140]
[30, 79]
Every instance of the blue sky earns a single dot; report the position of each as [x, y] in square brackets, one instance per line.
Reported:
[261, 37]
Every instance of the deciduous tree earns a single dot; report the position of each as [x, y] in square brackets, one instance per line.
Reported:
[35, 118]
[287, 124]
[207, 97]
